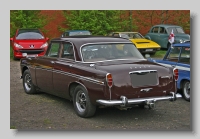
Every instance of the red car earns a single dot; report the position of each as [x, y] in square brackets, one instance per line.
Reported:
[30, 41]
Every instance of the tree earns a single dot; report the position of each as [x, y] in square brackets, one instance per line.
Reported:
[99, 22]
[26, 19]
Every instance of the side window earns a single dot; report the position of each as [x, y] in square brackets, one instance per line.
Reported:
[155, 30]
[54, 49]
[116, 35]
[174, 54]
[68, 51]
[162, 30]
[185, 55]
[110, 34]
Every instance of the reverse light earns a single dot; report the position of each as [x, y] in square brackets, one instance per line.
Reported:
[175, 72]
[109, 80]
[17, 45]
[44, 45]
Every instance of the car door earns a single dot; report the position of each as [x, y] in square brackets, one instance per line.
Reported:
[171, 58]
[162, 37]
[44, 67]
[154, 34]
[62, 74]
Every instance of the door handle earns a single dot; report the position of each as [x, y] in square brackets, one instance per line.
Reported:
[52, 62]
[70, 65]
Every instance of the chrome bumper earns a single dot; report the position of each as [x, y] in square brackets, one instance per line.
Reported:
[125, 102]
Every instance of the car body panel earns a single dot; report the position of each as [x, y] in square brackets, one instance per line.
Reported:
[144, 45]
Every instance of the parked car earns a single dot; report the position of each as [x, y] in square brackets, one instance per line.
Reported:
[144, 45]
[160, 34]
[178, 57]
[30, 41]
[76, 33]
[92, 72]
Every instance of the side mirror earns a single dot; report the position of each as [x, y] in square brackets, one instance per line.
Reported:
[11, 39]
[47, 38]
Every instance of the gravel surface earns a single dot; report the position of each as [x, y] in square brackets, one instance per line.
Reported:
[46, 112]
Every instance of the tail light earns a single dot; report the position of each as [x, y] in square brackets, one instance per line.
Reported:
[109, 79]
[175, 72]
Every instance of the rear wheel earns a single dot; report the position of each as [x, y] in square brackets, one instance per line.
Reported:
[82, 104]
[186, 90]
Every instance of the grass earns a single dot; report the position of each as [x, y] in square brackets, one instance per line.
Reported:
[13, 127]
[47, 121]
[159, 54]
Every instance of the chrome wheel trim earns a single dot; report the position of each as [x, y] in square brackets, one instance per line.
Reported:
[187, 90]
[27, 82]
[81, 101]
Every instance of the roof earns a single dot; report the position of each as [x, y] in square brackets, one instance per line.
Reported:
[80, 40]
[75, 30]
[126, 32]
[187, 44]
[167, 25]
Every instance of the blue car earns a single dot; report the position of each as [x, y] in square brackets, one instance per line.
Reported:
[178, 56]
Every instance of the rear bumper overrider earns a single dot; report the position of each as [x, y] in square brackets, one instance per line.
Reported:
[150, 100]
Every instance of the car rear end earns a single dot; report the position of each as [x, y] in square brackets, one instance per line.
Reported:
[139, 83]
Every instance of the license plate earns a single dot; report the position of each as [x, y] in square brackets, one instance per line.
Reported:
[149, 50]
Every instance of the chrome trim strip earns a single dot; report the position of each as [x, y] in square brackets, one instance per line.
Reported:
[109, 60]
[142, 71]
[79, 77]
[178, 67]
[138, 100]
[165, 77]
[146, 89]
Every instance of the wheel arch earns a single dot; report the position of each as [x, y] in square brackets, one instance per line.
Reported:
[148, 37]
[72, 87]
[182, 81]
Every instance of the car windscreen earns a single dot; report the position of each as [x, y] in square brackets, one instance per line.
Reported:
[132, 35]
[29, 35]
[79, 33]
[103, 52]
[176, 30]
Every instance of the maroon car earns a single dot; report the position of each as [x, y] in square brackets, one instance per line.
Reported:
[98, 71]
[30, 41]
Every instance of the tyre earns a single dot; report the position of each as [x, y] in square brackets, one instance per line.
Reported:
[186, 90]
[29, 88]
[82, 104]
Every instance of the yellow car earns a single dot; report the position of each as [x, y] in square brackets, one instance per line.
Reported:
[144, 45]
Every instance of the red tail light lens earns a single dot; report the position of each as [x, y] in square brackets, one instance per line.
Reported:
[175, 71]
[109, 80]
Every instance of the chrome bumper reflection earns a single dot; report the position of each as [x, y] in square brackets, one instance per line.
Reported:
[124, 101]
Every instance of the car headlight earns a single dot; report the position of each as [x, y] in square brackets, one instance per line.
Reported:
[181, 41]
[44, 45]
[17, 45]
